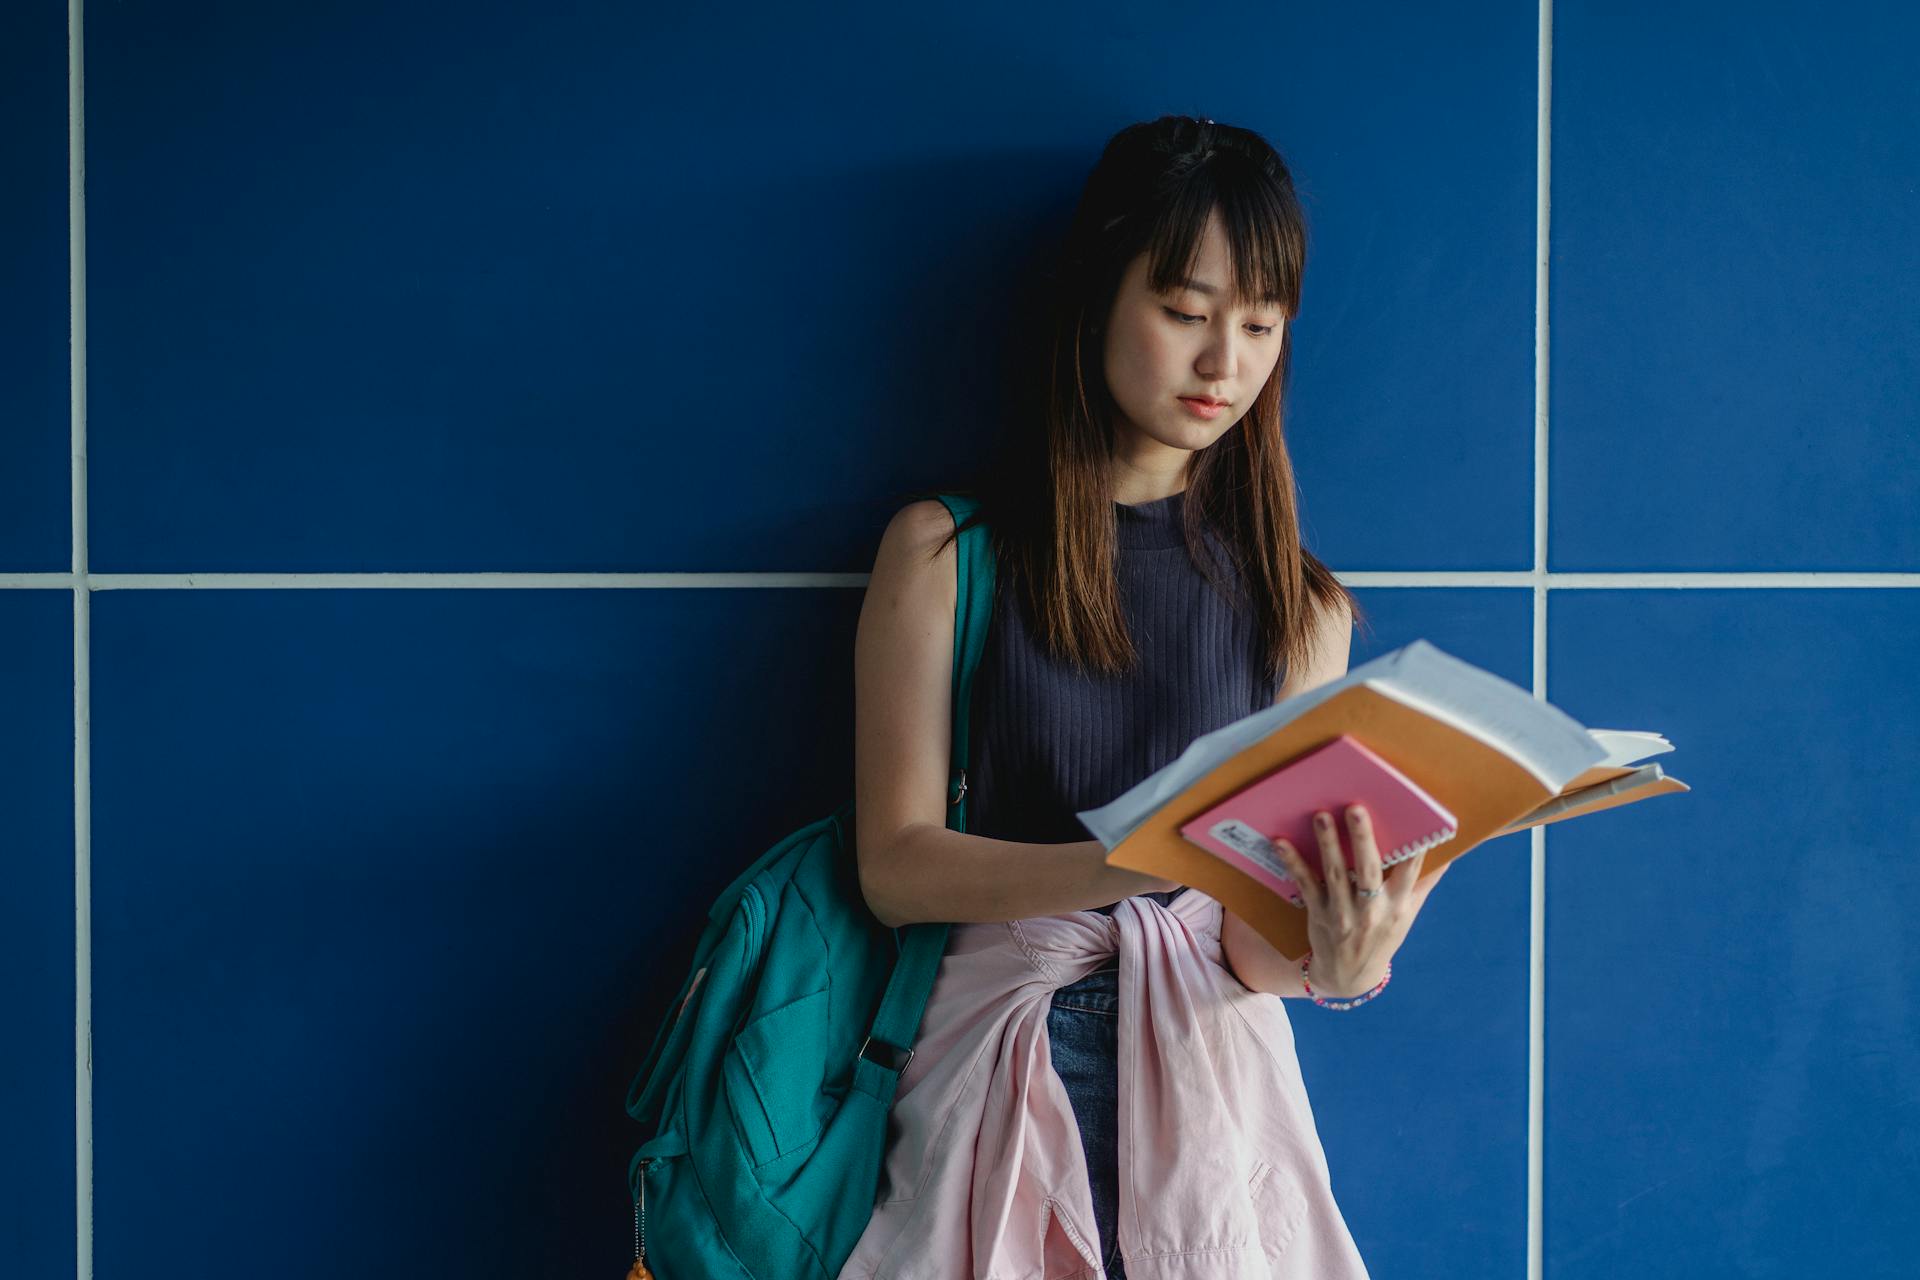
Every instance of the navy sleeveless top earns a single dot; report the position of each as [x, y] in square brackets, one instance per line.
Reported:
[1048, 740]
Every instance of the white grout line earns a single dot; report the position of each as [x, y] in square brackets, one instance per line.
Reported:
[1514, 578]
[1543, 582]
[82, 649]
[255, 581]
[1656, 580]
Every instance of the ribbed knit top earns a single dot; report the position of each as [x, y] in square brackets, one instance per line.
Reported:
[1049, 740]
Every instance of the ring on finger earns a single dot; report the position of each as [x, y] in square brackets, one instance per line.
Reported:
[1366, 893]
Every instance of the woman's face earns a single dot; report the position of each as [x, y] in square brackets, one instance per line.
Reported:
[1188, 342]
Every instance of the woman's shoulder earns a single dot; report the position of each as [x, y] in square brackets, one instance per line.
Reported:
[918, 528]
[911, 562]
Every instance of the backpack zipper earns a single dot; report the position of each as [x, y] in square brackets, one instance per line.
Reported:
[639, 1270]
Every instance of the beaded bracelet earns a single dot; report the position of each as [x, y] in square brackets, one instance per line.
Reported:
[1325, 1003]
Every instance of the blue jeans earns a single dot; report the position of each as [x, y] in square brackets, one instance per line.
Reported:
[1083, 1029]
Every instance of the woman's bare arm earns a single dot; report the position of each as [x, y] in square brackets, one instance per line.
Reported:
[913, 868]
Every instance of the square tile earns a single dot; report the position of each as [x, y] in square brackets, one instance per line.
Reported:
[36, 434]
[1731, 1035]
[37, 930]
[1734, 261]
[371, 293]
[391, 888]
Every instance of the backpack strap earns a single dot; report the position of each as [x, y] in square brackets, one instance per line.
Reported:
[923, 945]
[972, 610]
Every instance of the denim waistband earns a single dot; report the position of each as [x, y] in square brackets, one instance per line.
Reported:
[1098, 992]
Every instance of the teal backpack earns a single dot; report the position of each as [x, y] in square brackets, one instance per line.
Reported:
[767, 1090]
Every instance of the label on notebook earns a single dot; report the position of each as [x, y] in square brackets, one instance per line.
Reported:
[1259, 850]
[1249, 842]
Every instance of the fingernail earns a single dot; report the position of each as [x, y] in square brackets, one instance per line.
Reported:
[1357, 814]
[1322, 820]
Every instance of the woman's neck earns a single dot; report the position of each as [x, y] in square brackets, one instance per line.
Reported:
[1133, 490]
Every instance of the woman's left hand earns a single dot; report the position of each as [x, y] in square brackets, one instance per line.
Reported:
[1355, 920]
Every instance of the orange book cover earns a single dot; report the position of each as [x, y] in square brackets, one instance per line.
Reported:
[1488, 792]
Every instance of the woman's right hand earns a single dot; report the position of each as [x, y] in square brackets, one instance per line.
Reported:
[1356, 919]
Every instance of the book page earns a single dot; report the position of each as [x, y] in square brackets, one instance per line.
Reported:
[1641, 777]
[1624, 746]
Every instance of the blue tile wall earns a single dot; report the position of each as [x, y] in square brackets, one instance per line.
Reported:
[390, 887]
[37, 931]
[1732, 1036]
[35, 439]
[597, 288]
[1733, 269]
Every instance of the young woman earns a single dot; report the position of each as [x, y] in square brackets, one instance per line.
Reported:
[1104, 1082]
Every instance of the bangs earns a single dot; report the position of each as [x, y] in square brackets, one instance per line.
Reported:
[1266, 238]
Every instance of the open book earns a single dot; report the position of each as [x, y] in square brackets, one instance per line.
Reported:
[1484, 752]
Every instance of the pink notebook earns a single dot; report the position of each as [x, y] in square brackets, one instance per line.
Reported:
[1240, 829]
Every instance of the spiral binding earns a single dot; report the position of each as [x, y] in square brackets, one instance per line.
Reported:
[1407, 850]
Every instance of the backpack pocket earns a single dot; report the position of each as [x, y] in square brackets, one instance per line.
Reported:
[675, 1224]
[774, 1072]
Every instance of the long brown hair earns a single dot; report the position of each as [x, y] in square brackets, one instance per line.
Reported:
[1046, 494]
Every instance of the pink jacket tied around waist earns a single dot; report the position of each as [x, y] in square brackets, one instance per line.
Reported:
[1222, 1176]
